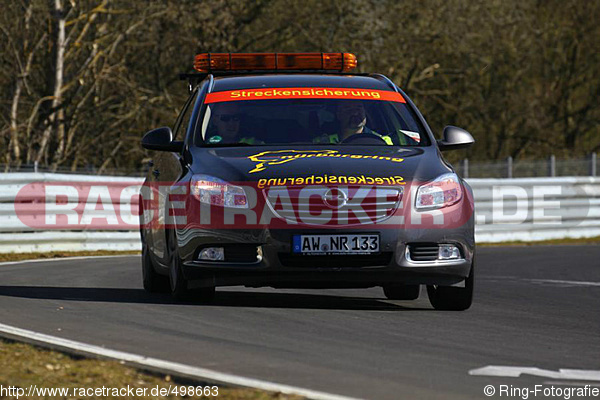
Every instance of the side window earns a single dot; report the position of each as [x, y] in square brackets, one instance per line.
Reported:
[183, 120]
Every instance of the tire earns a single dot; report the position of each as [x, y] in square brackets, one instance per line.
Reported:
[153, 281]
[451, 298]
[402, 292]
[179, 285]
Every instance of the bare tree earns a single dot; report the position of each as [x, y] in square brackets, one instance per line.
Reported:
[81, 81]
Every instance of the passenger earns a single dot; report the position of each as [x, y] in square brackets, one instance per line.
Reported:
[226, 121]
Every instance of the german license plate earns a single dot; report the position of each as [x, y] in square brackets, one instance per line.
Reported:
[335, 244]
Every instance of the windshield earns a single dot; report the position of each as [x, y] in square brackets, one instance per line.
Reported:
[309, 121]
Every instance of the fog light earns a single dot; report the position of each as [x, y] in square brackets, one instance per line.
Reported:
[448, 252]
[212, 254]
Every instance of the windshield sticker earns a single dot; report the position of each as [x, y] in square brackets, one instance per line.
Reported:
[416, 136]
[304, 93]
[283, 156]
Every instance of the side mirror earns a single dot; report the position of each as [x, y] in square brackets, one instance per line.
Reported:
[455, 138]
[161, 139]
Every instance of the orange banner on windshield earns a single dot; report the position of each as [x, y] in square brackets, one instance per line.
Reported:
[304, 93]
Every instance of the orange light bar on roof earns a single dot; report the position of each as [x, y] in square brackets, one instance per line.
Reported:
[209, 62]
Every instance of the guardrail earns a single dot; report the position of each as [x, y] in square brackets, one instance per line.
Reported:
[534, 209]
[18, 237]
[523, 209]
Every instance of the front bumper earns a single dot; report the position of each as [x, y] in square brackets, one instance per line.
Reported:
[277, 267]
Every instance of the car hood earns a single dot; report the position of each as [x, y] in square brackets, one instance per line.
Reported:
[253, 163]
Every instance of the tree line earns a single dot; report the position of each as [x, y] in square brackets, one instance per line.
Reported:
[82, 80]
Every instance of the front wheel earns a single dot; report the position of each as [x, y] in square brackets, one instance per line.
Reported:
[152, 280]
[453, 298]
[179, 285]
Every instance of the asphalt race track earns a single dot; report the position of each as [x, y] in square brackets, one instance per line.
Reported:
[534, 307]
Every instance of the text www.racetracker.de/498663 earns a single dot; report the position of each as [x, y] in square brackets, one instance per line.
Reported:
[104, 391]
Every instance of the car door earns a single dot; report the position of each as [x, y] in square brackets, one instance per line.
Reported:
[164, 170]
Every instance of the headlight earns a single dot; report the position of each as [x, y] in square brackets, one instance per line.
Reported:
[445, 190]
[215, 191]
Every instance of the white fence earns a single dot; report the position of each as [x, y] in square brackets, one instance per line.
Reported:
[525, 209]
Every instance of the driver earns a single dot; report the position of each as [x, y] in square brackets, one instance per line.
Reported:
[352, 120]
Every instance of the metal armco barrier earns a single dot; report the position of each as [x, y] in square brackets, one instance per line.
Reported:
[523, 209]
[17, 237]
[533, 209]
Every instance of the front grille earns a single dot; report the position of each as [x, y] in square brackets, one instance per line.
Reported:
[335, 261]
[423, 251]
[309, 205]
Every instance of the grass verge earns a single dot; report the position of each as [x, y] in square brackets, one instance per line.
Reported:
[59, 254]
[24, 365]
